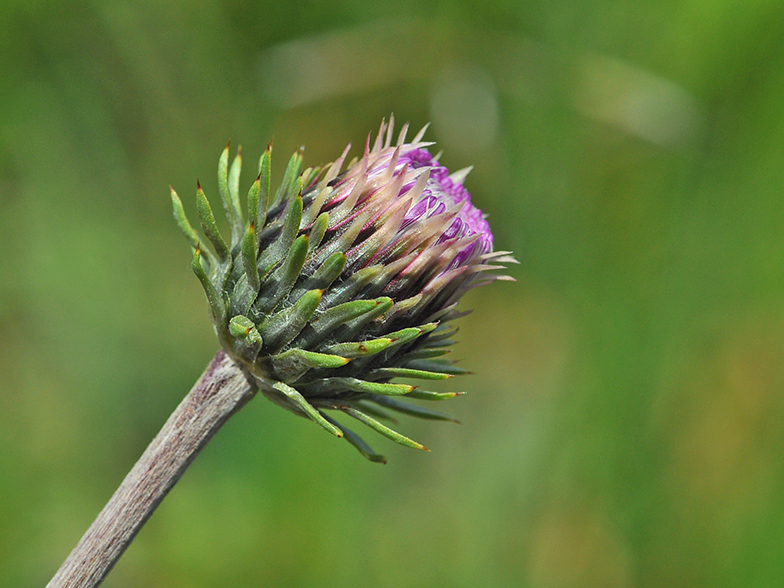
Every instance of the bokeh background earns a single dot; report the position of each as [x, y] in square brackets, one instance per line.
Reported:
[625, 426]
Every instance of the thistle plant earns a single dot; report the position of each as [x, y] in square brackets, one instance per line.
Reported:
[338, 283]
[326, 293]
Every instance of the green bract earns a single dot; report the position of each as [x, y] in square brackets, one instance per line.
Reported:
[338, 283]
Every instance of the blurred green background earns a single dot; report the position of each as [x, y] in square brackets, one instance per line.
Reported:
[625, 425]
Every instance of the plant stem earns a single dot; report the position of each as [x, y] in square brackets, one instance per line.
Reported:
[221, 391]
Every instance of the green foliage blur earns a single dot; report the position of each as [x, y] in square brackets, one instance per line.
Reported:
[625, 423]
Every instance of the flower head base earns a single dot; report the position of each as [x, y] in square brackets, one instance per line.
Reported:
[340, 282]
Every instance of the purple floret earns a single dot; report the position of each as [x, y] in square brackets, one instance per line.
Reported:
[441, 193]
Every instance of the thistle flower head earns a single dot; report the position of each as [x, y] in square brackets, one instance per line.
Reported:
[342, 281]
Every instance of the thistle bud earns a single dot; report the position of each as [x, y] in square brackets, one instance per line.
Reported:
[340, 281]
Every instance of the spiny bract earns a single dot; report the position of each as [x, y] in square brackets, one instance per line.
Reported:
[338, 283]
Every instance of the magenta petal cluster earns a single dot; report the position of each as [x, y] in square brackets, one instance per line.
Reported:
[416, 215]
[442, 191]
